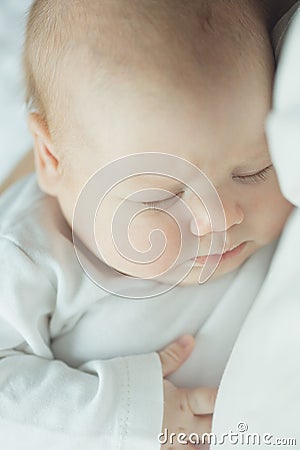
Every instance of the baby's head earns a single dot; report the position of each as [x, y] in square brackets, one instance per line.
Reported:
[190, 78]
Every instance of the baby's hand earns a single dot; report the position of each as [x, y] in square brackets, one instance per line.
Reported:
[185, 410]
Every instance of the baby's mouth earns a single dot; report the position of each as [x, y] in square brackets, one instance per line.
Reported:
[232, 251]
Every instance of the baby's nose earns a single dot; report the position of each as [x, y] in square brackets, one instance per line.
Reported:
[203, 221]
[201, 224]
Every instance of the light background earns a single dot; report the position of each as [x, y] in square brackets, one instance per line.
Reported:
[14, 137]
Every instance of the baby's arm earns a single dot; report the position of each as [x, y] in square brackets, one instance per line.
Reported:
[44, 403]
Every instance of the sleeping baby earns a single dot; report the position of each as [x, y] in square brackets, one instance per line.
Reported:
[153, 215]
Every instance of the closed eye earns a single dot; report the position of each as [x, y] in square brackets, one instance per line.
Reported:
[163, 204]
[256, 177]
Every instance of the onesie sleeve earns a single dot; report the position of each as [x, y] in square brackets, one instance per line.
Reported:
[113, 404]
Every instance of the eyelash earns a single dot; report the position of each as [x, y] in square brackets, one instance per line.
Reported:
[255, 178]
[161, 203]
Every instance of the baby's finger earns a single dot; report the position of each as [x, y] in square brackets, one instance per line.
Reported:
[200, 426]
[201, 400]
[174, 355]
[193, 435]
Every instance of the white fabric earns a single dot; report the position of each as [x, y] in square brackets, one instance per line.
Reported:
[284, 122]
[261, 384]
[279, 33]
[78, 368]
[15, 139]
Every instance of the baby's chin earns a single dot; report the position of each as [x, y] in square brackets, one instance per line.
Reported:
[193, 275]
[226, 265]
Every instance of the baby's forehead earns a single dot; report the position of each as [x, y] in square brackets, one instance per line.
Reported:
[129, 32]
[138, 34]
[112, 35]
[98, 39]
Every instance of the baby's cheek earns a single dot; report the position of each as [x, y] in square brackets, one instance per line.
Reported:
[145, 247]
[265, 212]
[273, 216]
[157, 235]
[282, 211]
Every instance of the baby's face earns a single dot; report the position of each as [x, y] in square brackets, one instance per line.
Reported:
[215, 122]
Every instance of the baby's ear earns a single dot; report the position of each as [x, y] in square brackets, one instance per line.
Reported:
[46, 161]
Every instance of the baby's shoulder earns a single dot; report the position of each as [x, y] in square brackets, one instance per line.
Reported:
[32, 219]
